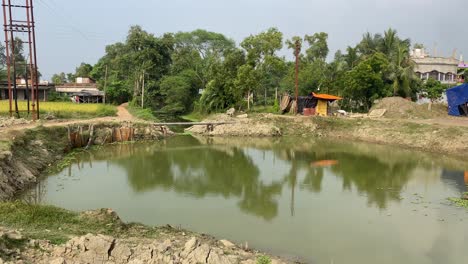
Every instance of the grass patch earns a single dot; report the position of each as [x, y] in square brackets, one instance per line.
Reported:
[194, 117]
[264, 109]
[331, 123]
[5, 145]
[50, 223]
[459, 202]
[263, 260]
[142, 113]
[63, 110]
[412, 128]
[58, 225]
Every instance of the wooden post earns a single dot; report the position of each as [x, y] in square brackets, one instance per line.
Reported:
[105, 86]
[297, 52]
[143, 92]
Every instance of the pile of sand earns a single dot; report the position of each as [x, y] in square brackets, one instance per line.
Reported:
[398, 107]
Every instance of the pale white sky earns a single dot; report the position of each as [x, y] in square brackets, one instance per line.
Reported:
[70, 32]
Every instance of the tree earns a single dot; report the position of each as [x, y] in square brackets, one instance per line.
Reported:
[370, 44]
[433, 90]
[199, 50]
[318, 47]
[365, 83]
[3, 74]
[262, 46]
[351, 58]
[70, 77]
[178, 94]
[221, 91]
[261, 52]
[247, 80]
[60, 78]
[141, 58]
[84, 70]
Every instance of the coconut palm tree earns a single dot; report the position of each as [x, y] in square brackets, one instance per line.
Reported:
[369, 44]
[402, 69]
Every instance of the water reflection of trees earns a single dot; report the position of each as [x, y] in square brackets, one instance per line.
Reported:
[191, 168]
[186, 165]
[380, 182]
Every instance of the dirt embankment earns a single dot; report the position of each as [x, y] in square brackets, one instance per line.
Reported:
[26, 153]
[119, 243]
[240, 125]
[432, 137]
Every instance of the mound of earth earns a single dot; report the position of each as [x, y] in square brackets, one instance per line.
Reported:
[401, 108]
[241, 125]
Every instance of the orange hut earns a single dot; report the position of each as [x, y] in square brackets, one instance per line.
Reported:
[323, 103]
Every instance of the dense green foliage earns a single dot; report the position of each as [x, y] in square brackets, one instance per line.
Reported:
[433, 89]
[177, 73]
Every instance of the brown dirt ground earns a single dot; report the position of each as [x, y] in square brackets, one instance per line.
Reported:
[398, 107]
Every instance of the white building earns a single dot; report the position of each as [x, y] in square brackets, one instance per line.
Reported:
[439, 68]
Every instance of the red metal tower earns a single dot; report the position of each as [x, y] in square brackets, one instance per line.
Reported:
[18, 20]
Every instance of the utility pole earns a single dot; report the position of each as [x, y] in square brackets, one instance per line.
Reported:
[105, 86]
[297, 53]
[14, 22]
[143, 91]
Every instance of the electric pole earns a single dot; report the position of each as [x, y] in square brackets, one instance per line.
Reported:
[14, 22]
[105, 86]
[143, 91]
[297, 53]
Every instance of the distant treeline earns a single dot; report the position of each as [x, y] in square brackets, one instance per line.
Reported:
[207, 72]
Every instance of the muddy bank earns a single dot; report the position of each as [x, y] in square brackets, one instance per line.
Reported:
[116, 243]
[25, 154]
[436, 138]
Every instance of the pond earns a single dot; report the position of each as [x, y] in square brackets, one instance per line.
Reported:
[320, 201]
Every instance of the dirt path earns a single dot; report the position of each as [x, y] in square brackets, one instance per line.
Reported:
[122, 112]
[122, 115]
[450, 121]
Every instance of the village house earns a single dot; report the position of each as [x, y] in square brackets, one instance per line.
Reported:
[22, 92]
[83, 90]
[441, 69]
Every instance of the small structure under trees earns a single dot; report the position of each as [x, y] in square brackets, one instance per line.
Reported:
[313, 104]
[83, 90]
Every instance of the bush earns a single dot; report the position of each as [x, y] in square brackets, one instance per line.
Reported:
[142, 113]
[263, 260]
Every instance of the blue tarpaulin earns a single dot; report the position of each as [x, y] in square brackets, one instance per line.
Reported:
[456, 97]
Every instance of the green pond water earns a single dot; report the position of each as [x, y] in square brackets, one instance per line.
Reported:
[364, 204]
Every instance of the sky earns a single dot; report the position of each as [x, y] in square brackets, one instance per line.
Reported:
[70, 32]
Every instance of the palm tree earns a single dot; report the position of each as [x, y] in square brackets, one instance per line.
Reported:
[369, 44]
[351, 57]
[402, 69]
[389, 42]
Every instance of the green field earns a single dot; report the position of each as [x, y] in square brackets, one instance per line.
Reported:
[63, 109]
